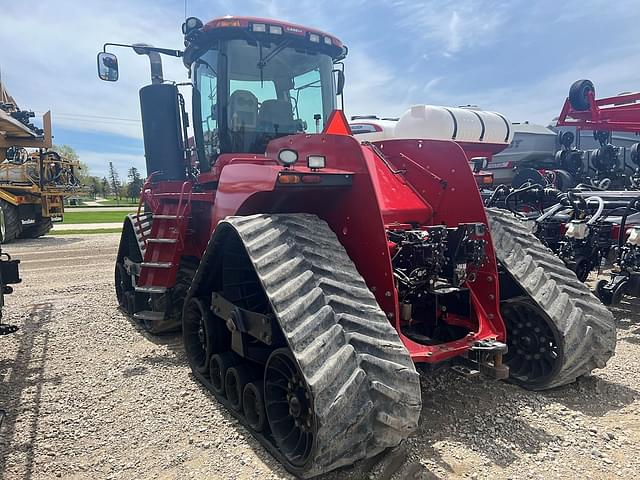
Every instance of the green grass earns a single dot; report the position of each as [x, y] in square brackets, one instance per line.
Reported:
[84, 232]
[93, 217]
[123, 202]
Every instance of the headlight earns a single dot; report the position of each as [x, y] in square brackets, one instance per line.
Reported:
[287, 157]
[316, 161]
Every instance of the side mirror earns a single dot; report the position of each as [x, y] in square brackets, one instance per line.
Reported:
[107, 67]
[339, 82]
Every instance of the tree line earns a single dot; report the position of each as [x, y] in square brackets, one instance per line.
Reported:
[110, 185]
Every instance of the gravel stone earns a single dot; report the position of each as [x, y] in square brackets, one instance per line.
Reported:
[88, 395]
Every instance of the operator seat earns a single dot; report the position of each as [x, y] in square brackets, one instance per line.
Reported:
[243, 110]
[276, 117]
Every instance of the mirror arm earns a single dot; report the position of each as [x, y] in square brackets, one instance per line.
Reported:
[139, 46]
[154, 60]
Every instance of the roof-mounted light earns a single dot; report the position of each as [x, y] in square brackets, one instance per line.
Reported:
[275, 29]
[314, 37]
[259, 27]
[191, 23]
[328, 41]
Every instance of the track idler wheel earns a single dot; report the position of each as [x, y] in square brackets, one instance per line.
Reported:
[288, 403]
[218, 366]
[123, 284]
[197, 324]
[533, 344]
[235, 380]
[253, 405]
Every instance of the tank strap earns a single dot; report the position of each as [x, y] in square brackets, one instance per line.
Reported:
[455, 124]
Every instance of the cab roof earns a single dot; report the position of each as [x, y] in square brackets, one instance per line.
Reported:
[287, 28]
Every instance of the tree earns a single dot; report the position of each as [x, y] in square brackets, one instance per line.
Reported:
[105, 186]
[135, 183]
[94, 186]
[114, 180]
[68, 153]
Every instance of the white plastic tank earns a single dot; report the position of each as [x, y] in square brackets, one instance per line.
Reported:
[431, 122]
[373, 129]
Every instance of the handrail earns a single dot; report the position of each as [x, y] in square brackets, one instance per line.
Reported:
[145, 186]
[180, 216]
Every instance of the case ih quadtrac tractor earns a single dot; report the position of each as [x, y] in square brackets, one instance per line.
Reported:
[309, 272]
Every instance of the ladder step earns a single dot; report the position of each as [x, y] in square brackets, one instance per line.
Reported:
[162, 240]
[157, 264]
[151, 289]
[165, 217]
[149, 315]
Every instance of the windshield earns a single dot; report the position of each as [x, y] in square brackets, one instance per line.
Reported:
[253, 92]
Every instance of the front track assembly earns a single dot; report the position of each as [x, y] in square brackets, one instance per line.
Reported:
[331, 383]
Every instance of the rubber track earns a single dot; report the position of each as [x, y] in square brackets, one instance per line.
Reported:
[366, 389]
[12, 223]
[141, 226]
[42, 227]
[586, 326]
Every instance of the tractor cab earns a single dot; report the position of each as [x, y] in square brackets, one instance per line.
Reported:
[256, 80]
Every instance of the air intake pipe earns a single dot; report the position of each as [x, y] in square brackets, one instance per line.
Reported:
[163, 142]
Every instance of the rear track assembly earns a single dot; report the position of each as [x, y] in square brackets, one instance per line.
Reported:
[550, 301]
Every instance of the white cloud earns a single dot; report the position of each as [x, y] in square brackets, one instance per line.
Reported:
[450, 26]
[51, 64]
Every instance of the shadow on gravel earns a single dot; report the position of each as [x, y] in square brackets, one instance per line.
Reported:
[482, 414]
[627, 315]
[486, 416]
[27, 377]
[48, 241]
[593, 396]
[173, 342]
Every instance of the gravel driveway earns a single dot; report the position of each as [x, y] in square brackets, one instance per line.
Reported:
[89, 396]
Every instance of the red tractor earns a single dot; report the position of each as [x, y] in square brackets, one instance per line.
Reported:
[310, 272]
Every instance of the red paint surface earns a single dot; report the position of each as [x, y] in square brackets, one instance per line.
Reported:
[416, 182]
[619, 113]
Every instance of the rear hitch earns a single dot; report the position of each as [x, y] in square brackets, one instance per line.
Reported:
[488, 355]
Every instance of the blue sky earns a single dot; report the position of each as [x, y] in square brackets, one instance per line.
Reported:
[515, 57]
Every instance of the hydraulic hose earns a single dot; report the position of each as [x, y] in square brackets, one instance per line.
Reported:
[596, 215]
[584, 186]
[549, 213]
[516, 193]
[494, 195]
